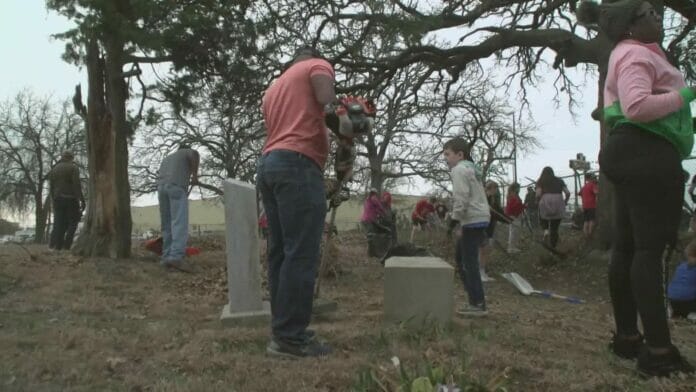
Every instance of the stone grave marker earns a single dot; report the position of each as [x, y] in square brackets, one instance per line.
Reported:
[244, 306]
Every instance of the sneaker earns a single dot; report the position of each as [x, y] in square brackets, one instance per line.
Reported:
[485, 277]
[514, 250]
[662, 365]
[626, 348]
[180, 265]
[310, 334]
[472, 311]
[691, 316]
[313, 349]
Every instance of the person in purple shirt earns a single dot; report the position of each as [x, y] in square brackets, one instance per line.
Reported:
[373, 210]
[682, 289]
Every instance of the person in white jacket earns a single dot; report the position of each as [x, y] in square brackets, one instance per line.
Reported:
[470, 210]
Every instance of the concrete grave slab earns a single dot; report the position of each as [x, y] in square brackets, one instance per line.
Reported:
[418, 290]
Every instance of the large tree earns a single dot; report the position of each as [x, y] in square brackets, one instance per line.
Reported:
[34, 131]
[413, 125]
[113, 40]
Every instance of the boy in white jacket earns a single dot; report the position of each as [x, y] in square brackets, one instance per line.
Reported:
[470, 210]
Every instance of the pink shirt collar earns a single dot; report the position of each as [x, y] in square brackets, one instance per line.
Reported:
[653, 46]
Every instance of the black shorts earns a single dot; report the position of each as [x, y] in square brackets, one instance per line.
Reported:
[589, 214]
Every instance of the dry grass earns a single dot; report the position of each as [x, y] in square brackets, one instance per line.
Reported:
[87, 325]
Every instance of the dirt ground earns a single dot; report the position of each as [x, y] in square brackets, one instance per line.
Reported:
[101, 325]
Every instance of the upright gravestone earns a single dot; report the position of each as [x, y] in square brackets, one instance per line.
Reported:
[244, 306]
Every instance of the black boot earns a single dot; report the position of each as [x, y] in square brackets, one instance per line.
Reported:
[626, 348]
[663, 365]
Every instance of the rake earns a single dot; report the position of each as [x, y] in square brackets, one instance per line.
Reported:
[526, 288]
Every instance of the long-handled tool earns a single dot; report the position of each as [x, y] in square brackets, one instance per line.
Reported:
[347, 118]
[526, 288]
[506, 219]
[323, 262]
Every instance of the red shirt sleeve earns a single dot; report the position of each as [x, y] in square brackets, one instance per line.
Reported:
[422, 209]
[514, 206]
[322, 68]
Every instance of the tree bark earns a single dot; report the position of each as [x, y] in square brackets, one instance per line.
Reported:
[376, 175]
[48, 207]
[99, 236]
[39, 219]
[605, 202]
[117, 96]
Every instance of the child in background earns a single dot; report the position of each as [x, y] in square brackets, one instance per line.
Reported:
[470, 210]
[390, 216]
[514, 208]
[531, 207]
[553, 195]
[420, 217]
[588, 194]
[373, 209]
[682, 289]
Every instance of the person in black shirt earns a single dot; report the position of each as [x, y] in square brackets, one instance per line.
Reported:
[550, 191]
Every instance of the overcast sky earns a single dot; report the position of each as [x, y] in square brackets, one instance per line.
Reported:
[31, 59]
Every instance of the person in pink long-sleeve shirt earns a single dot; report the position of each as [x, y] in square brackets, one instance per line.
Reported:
[646, 109]
[373, 210]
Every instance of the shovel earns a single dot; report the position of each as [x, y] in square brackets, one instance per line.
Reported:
[526, 289]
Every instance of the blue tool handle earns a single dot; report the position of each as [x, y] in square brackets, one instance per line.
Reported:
[572, 300]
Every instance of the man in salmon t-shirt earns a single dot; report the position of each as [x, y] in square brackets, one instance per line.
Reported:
[291, 181]
[588, 194]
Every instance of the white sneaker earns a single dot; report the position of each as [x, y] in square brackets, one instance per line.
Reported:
[472, 311]
[691, 316]
[514, 250]
[485, 277]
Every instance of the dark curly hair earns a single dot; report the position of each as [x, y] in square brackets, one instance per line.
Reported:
[613, 17]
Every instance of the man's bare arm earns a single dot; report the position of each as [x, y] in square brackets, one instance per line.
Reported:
[324, 89]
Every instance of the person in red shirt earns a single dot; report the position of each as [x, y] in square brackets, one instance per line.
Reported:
[291, 182]
[514, 208]
[588, 194]
[387, 200]
[421, 214]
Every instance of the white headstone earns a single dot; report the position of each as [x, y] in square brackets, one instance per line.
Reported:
[244, 305]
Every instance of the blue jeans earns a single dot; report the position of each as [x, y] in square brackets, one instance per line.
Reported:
[292, 190]
[467, 255]
[173, 205]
